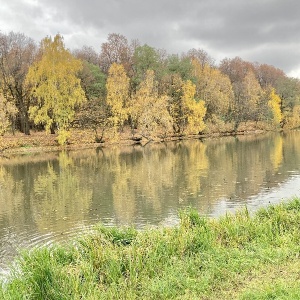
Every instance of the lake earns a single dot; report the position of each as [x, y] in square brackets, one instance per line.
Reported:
[47, 197]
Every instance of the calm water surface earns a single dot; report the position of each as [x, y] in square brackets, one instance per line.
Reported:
[53, 196]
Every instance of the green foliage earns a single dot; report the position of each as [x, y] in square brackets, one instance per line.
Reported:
[144, 58]
[180, 66]
[92, 81]
[288, 89]
[277, 290]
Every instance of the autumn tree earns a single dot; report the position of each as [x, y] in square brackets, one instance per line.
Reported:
[201, 56]
[237, 69]
[176, 68]
[187, 113]
[173, 88]
[268, 75]
[148, 111]
[88, 54]
[193, 111]
[215, 89]
[118, 50]
[93, 114]
[8, 113]
[288, 90]
[274, 103]
[248, 102]
[251, 81]
[293, 119]
[117, 86]
[56, 87]
[17, 53]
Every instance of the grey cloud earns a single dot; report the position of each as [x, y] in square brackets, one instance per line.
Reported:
[285, 57]
[240, 24]
[258, 30]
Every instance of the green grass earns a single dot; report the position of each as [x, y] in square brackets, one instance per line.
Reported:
[235, 257]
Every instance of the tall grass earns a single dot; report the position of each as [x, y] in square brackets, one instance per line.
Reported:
[233, 257]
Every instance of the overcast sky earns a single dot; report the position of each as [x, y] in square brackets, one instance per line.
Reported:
[264, 31]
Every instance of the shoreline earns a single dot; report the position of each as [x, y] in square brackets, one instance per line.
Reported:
[38, 142]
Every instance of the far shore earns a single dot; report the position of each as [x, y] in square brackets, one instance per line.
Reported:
[85, 139]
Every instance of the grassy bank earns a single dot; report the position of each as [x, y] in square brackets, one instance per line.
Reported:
[235, 257]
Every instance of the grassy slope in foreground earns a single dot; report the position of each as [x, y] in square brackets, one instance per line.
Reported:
[235, 257]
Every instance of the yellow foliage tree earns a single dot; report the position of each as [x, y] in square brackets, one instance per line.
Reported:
[274, 103]
[214, 88]
[250, 97]
[117, 86]
[148, 110]
[8, 111]
[56, 87]
[293, 120]
[193, 111]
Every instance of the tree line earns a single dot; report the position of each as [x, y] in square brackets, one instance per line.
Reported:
[137, 87]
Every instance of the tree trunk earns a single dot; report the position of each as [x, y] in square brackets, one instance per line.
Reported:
[23, 115]
[236, 126]
[13, 125]
[52, 128]
[24, 123]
